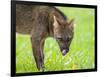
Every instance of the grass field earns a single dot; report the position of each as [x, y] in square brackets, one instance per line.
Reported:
[80, 56]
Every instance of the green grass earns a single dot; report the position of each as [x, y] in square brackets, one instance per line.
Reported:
[80, 56]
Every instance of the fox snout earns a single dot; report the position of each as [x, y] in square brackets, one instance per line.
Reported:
[64, 51]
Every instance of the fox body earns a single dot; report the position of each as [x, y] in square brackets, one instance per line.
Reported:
[40, 22]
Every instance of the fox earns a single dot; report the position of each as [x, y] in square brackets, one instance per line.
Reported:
[40, 22]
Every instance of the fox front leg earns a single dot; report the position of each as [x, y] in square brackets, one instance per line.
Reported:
[37, 46]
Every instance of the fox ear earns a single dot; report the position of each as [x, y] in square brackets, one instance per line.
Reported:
[55, 22]
[56, 26]
[71, 23]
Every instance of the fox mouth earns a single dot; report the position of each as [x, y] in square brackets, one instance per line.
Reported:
[64, 51]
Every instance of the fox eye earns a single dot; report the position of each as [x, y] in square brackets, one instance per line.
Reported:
[68, 39]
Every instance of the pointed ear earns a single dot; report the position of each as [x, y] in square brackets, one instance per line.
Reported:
[55, 26]
[71, 23]
[55, 23]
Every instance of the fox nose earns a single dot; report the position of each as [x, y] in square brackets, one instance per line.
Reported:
[64, 51]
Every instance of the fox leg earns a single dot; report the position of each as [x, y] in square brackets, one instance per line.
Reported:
[37, 46]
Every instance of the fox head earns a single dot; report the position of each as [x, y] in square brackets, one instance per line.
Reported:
[63, 32]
